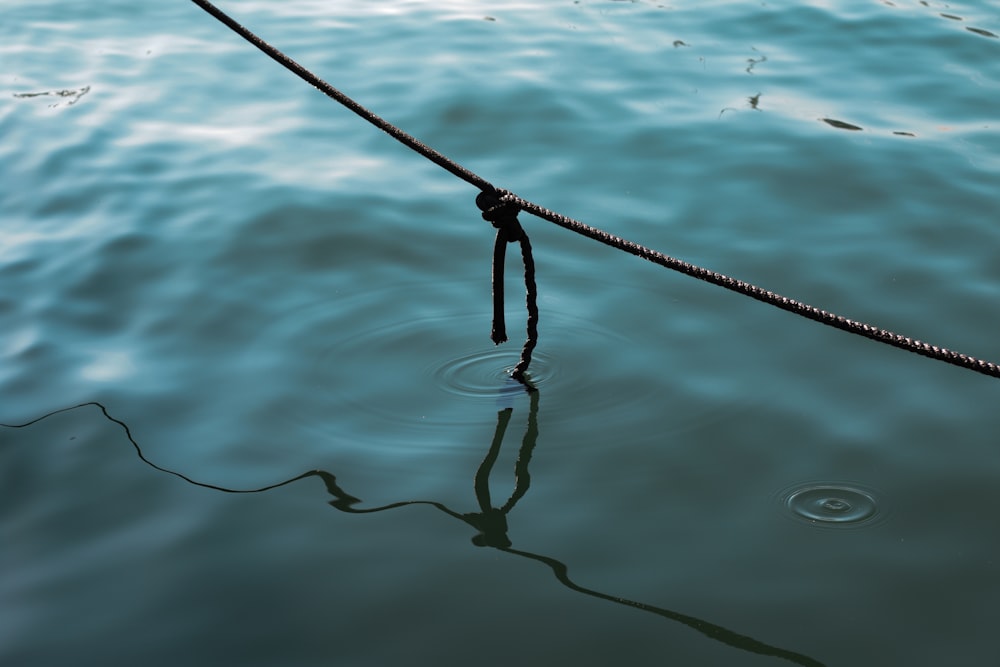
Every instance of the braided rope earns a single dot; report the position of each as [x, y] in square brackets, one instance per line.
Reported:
[507, 197]
[758, 293]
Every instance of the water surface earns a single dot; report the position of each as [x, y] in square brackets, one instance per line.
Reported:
[253, 285]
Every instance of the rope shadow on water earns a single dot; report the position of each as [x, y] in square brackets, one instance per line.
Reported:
[489, 521]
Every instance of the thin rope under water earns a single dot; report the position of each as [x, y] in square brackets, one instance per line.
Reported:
[509, 198]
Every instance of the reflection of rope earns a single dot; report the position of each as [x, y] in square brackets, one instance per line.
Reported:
[747, 289]
[138, 450]
[490, 522]
[716, 632]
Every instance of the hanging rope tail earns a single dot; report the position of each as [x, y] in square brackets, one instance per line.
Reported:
[502, 207]
[502, 215]
[531, 297]
[501, 212]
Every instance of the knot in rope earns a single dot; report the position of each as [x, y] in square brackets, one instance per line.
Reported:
[501, 212]
[500, 208]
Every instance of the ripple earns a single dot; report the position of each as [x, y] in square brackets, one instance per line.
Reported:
[401, 363]
[405, 363]
[434, 369]
[480, 373]
[832, 504]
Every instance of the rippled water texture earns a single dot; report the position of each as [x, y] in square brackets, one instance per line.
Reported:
[252, 413]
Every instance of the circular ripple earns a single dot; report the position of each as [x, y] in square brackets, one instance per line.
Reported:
[432, 378]
[831, 504]
[435, 359]
[483, 372]
[411, 361]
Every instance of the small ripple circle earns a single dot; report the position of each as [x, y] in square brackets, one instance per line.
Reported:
[481, 372]
[831, 504]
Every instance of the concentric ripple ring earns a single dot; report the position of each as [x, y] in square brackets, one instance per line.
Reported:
[832, 504]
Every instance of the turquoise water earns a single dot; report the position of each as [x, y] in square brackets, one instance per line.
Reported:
[256, 285]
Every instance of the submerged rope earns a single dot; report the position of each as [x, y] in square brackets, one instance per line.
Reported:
[510, 204]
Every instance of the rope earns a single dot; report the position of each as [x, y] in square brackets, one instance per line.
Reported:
[503, 215]
[531, 296]
[509, 203]
[759, 293]
[331, 92]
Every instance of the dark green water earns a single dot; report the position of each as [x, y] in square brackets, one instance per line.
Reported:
[258, 287]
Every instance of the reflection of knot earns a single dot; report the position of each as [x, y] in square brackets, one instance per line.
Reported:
[492, 527]
[501, 214]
